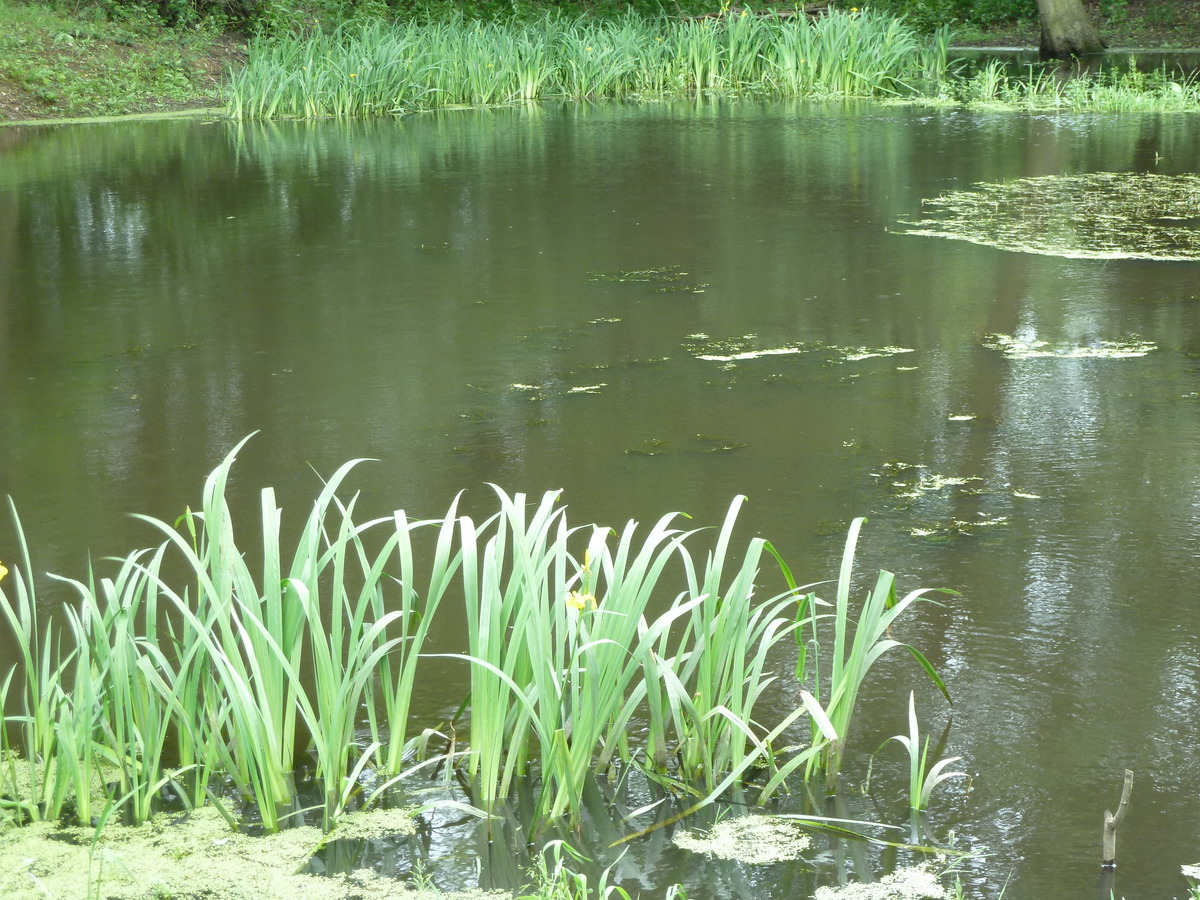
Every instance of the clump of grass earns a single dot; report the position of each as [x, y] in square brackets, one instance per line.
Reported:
[555, 879]
[923, 777]
[856, 647]
[1048, 88]
[573, 634]
[378, 68]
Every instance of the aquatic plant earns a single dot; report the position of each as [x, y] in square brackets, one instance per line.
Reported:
[577, 638]
[1112, 90]
[911, 883]
[750, 839]
[853, 653]
[566, 652]
[1192, 875]
[923, 778]
[1095, 215]
[31, 782]
[380, 69]
[554, 879]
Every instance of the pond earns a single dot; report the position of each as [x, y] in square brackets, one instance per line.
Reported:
[580, 297]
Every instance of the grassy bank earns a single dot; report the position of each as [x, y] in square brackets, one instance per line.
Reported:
[117, 59]
[56, 65]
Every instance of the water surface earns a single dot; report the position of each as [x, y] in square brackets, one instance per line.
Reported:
[522, 297]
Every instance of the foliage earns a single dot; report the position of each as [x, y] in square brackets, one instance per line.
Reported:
[930, 14]
[923, 778]
[1038, 87]
[85, 67]
[553, 879]
[380, 69]
[854, 652]
[576, 639]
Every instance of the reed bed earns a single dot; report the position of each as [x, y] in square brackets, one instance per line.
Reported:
[380, 68]
[576, 638]
[1044, 88]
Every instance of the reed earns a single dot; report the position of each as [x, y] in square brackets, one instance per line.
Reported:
[38, 674]
[119, 708]
[577, 638]
[856, 647]
[379, 69]
[1114, 90]
[554, 878]
[923, 778]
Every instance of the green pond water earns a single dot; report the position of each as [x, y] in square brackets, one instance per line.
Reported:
[656, 308]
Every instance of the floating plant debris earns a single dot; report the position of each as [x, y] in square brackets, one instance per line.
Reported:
[744, 348]
[541, 392]
[699, 444]
[756, 840]
[856, 354]
[954, 528]
[1031, 348]
[1101, 215]
[752, 354]
[194, 855]
[668, 279]
[913, 883]
[929, 483]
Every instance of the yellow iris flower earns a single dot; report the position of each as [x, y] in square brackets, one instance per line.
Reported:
[579, 601]
[3, 571]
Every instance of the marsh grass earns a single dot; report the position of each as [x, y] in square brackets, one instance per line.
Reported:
[554, 878]
[839, 671]
[1045, 88]
[577, 638]
[379, 68]
[923, 777]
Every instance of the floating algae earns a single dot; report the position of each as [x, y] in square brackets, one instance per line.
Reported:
[913, 883]
[756, 840]
[699, 444]
[951, 529]
[919, 481]
[1101, 215]
[857, 354]
[667, 279]
[744, 348]
[737, 349]
[752, 354]
[192, 855]
[1022, 348]
[543, 392]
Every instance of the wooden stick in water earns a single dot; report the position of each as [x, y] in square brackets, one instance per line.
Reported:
[1111, 821]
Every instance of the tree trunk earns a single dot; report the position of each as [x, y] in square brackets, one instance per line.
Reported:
[1067, 30]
